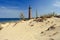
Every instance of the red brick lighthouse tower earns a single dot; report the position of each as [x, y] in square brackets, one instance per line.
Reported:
[30, 13]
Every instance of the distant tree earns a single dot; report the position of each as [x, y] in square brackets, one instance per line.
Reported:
[22, 15]
[52, 14]
[36, 14]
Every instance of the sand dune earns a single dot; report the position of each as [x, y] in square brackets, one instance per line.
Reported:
[31, 30]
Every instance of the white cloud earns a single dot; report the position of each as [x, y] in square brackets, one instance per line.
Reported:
[2, 7]
[8, 12]
[9, 7]
[11, 12]
[57, 4]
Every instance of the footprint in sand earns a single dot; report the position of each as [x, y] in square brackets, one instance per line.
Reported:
[5, 39]
[51, 39]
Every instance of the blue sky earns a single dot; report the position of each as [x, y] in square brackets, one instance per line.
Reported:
[13, 8]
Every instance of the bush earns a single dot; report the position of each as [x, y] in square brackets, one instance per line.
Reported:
[48, 15]
[22, 16]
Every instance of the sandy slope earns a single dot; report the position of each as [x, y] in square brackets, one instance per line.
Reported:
[31, 30]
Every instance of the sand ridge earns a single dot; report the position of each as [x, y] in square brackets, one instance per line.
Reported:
[31, 30]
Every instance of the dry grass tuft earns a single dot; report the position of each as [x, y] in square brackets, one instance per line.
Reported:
[39, 20]
[1, 28]
[51, 28]
[51, 39]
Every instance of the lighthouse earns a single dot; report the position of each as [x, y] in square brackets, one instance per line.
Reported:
[30, 13]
